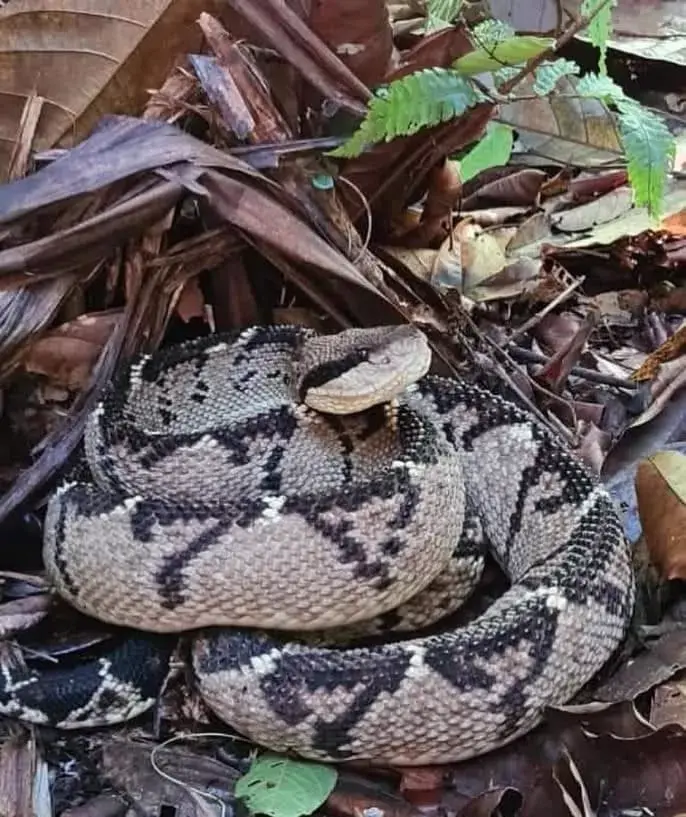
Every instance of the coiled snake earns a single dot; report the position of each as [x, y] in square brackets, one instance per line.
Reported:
[280, 480]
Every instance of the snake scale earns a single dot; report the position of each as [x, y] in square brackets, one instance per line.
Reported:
[269, 489]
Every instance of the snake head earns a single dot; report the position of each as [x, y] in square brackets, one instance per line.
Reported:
[356, 369]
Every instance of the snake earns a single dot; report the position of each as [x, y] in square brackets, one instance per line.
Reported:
[308, 509]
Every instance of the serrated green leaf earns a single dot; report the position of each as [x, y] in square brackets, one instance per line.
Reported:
[600, 27]
[548, 74]
[502, 75]
[280, 787]
[409, 104]
[489, 33]
[648, 143]
[441, 12]
[493, 150]
[513, 51]
[650, 149]
[599, 87]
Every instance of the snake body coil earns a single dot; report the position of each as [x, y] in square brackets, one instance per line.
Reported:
[270, 480]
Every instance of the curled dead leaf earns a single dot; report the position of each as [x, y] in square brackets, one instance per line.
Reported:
[661, 494]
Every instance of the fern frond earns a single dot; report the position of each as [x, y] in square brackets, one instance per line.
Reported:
[548, 74]
[441, 12]
[599, 86]
[648, 143]
[407, 105]
[489, 33]
[600, 27]
[650, 150]
[502, 75]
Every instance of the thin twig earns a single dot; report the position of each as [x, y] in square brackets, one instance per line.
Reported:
[578, 25]
[529, 356]
[553, 424]
[37, 581]
[538, 317]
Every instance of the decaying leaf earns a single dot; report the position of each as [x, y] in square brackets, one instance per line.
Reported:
[661, 494]
[117, 58]
[67, 355]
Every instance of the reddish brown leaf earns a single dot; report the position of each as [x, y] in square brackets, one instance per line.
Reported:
[191, 303]
[423, 785]
[662, 511]
[68, 354]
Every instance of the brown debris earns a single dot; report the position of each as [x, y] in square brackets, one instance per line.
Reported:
[209, 204]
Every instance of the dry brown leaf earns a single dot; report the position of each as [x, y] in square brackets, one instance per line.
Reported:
[661, 491]
[669, 704]
[127, 764]
[68, 354]
[505, 185]
[423, 785]
[86, 58]
[191, 302]
[563, 127]
[501, 802]
[670, 349]
[657, 663]
[670, 378]
[599, 211]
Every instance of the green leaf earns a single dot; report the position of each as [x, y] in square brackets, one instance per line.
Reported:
[489, 33]
[493, 150]
[409, 104]
[502, 75]
[440, 13]
[650, 149]
[548, 74]
[281, 787]
[648, 143]
[600, 27]
[599, 86]
[513, 51]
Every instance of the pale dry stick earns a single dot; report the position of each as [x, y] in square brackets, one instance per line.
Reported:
[38, 581]
[35, 653]
[550, 422]
[578, 25]
[529, 356]
[538, 317]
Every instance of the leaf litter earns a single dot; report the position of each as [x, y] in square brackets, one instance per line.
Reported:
[135, 217]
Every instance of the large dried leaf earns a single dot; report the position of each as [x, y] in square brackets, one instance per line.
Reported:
[85, 58]
[563, 127]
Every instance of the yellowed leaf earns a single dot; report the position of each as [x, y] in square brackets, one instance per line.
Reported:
[672, 466]
[85, 59]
